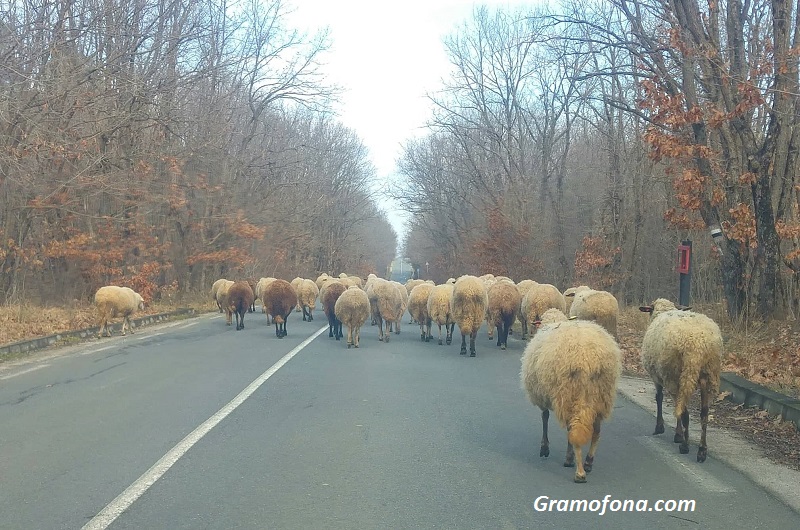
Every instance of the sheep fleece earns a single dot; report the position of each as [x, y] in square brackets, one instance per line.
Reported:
[468, 304]
[572, 368]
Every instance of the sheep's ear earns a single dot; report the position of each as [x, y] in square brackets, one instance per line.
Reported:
[570, 294]
[572, 318]
[646, 308]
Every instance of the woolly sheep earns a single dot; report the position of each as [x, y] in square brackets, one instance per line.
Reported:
[222, 298]
[386, 305]
[404, 296]
[215, 289]
[352, 310]
[439, 310]
[418, 308]
[279, 298]
[296, 286]
[523, 288]
[572, 367]
[569, 295]
[539, 298]
[490, 326]
[468, 307]
[333, 291]
[599, 306]
[112, 301]
[307, 295]
[503, 304]
[239, 299]
[260, 286]
[682, 350]
[320, 279]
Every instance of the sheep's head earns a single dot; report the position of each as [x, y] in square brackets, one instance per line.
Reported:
[551, 316]
[659, 306]
[141, 301]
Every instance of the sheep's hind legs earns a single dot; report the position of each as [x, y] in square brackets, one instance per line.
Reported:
[682, 432]
[593, 447]
[544, 449]
[659, 415]
[463, 344]
[702, 451]
[580, 472]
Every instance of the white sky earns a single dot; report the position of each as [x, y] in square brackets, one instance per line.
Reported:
[386, 55]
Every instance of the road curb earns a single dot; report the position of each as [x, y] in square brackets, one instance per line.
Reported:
[752, 394]
[724, 445]
[39, 343]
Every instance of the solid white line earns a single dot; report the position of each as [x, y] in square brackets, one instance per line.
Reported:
[685, 464]
[28, 370]
[125, 499]
[97, 350]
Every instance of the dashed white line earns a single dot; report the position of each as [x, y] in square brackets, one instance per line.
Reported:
[26, 371]
[125, 499]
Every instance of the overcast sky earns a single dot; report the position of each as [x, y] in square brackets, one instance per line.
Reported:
[387, 56]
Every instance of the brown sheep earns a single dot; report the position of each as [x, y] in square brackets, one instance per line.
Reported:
[333, 290]
[240, 300]
[504, 302]
[279, 299]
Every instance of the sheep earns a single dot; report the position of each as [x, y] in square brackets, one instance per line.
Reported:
[307, 295]
[468, 307]
[489, 283]
[439, 310]
[333, 291]
[259, 292]
[569, 295]
[599, 306]
[352, 310]
[112, 301]
[418, 308]
[222, 298]
[279, 298]
[404, 296]
[214, 289]
[320, 279]
[386, 305]
[239, 300]
[296, 285]
[682, 350]
[523, 287]
[572, 367]
[503, 304]
[539, 298]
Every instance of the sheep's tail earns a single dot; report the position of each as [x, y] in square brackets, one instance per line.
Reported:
[576, 404]
[687, 383]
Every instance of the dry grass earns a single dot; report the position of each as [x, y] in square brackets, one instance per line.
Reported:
[27, 321]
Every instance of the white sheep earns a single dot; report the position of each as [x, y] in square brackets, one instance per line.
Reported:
[112, 301]
[523, 287]
[214, 289]
[386, 305]
[468, 307]
[352, 310]
[539, 298]
[404, 296]
[261, 286]
[682, 350]
[307, 293]
[295, 283]
[599, 306]
[571, 367]
[569, 295]
[439, 310]
[418, 308]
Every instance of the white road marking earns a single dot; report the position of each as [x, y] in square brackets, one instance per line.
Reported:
[686, 465]
[28, 370]
[190, 324]
[97, 350]
[141, 337]
[124, 500]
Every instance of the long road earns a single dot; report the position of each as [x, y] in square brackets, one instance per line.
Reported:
[195, 425]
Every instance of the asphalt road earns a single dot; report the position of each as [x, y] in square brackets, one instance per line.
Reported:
[399, 435]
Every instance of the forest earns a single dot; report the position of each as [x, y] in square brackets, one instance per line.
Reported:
[162, 144]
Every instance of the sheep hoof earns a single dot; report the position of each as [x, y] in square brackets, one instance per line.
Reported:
[440, 342]
[684, 448]
[348, 346]
[569, 463]
[386, 338]
[659, 428]
[587, 465]
[502, 346]
[463, 351]
[449, 342]
[544, 451]
[580, 479]
[702, 452]
[422, 338]
[356, 346]
[472, 354]
[678, 438]
[337, 338]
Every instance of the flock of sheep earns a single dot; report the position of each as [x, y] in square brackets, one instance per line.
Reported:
[570, 365]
